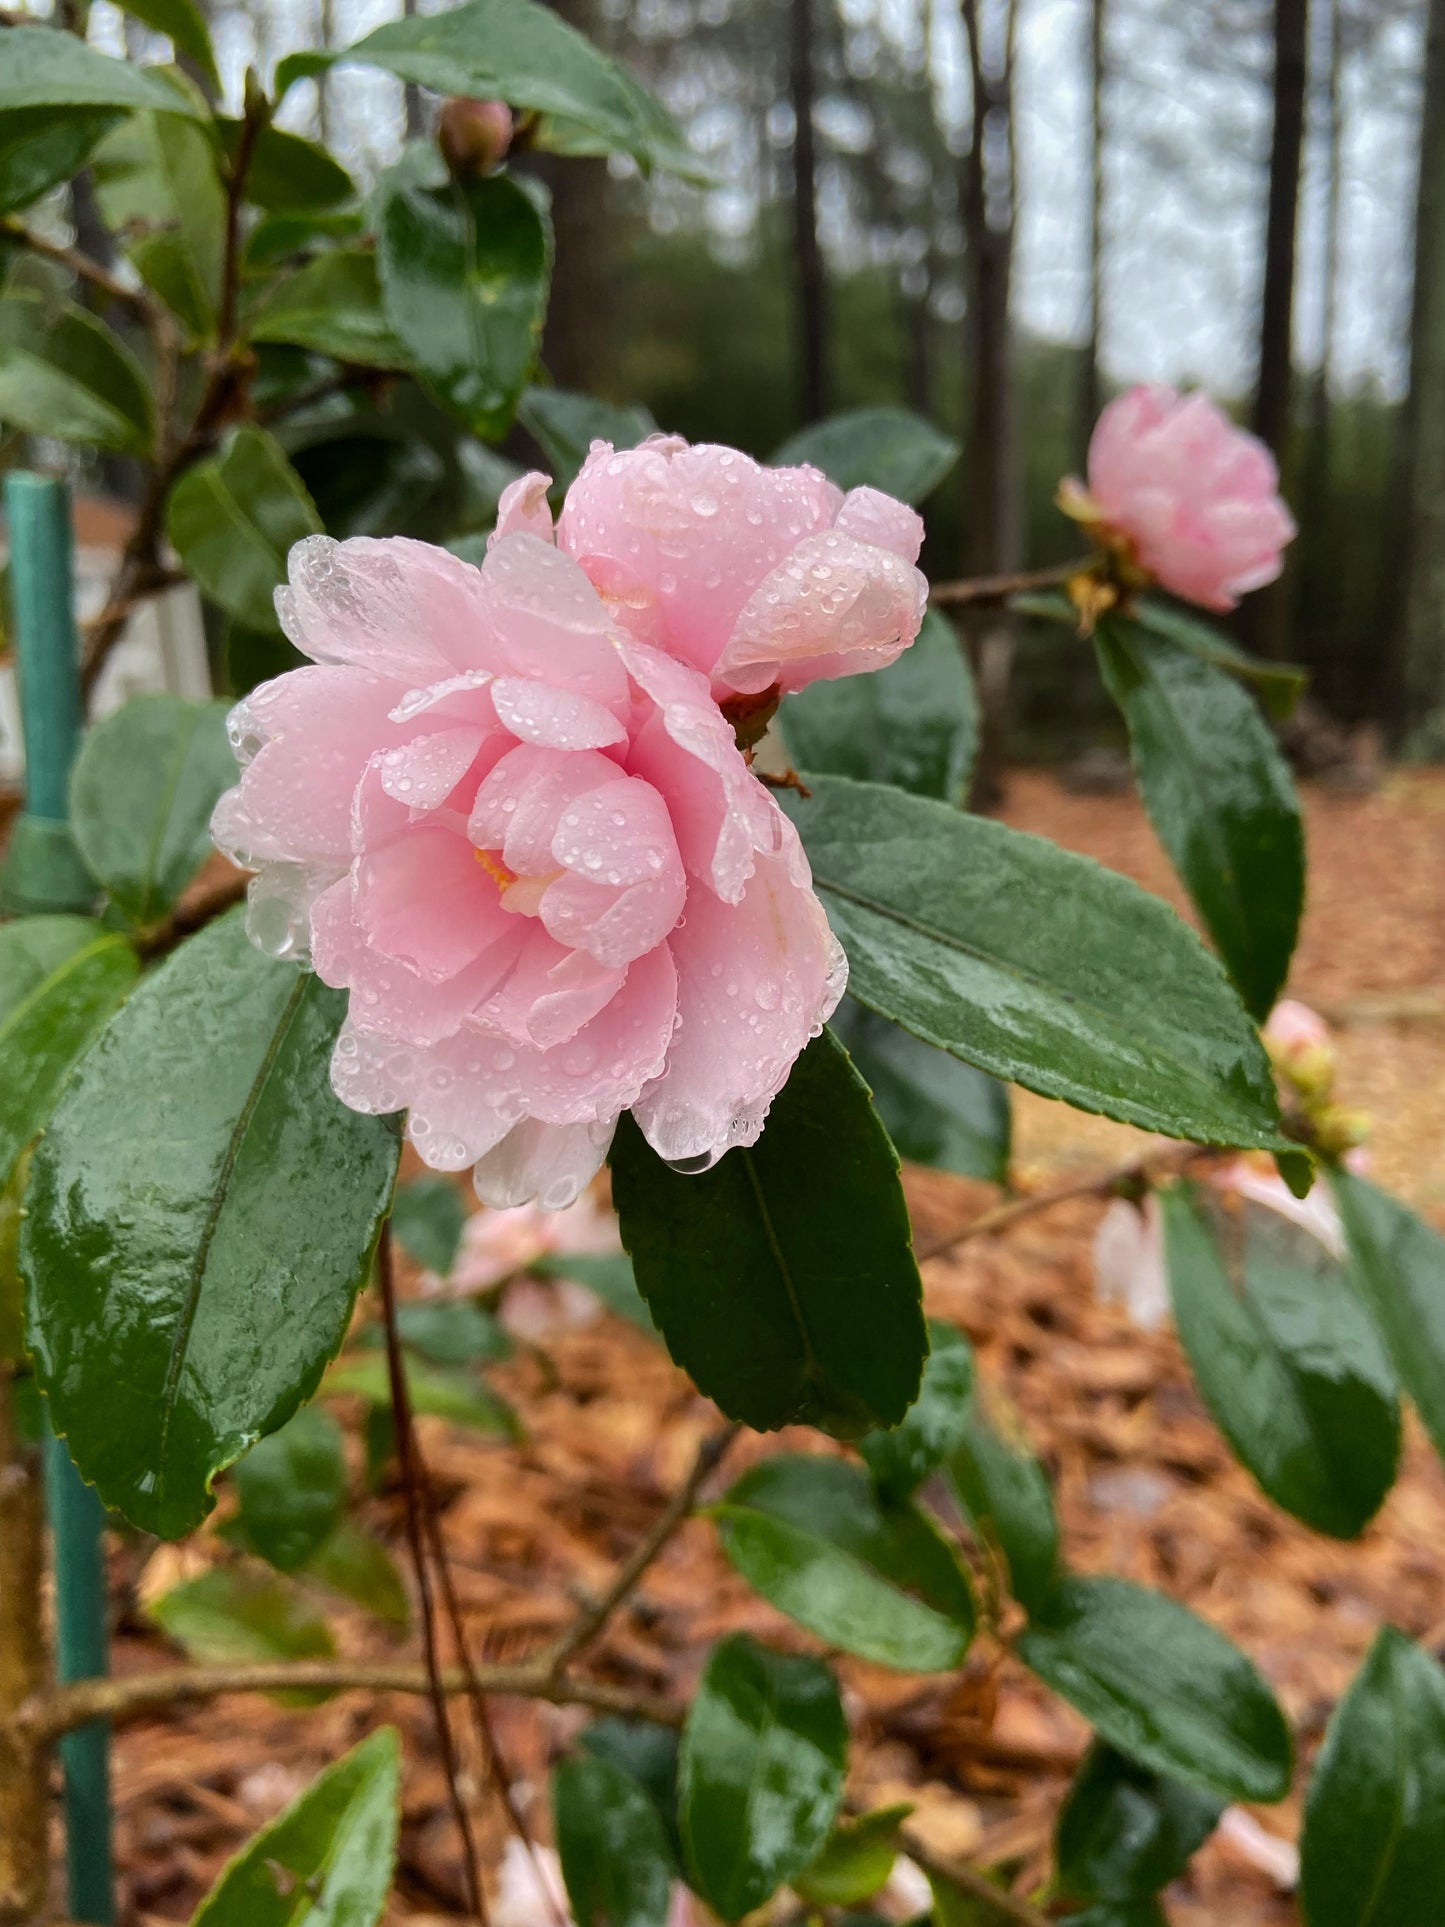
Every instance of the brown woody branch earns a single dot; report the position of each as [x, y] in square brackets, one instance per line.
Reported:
[138, 300]
[1118, 1182]
[193, 913]
[983, 589]
[48, 1715]
[585, 1628]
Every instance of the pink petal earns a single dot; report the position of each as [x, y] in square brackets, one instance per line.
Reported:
[424, 900]
[538, 712]
[756, 980]
[306, 740]
[870, 516]
[553, 1163]
[543, 620]
[424, 772]
[524, 509]
[834, 606]
[399, 607]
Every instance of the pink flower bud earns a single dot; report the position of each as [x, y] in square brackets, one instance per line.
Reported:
[1194, 497]
[528, 845]
[474, 136]
[1298, 1041]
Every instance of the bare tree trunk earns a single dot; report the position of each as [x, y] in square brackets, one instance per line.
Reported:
[24, 1857]
[1090, 384]
[813, 372]
[1276, 326]
[415, 120]
[993, 535]
[1416, 674]
[1266, 615]
[1316, 485]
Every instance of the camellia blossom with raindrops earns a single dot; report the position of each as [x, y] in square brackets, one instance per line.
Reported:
[501, 812]
[1192, 500]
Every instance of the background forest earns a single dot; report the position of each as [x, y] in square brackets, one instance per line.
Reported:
[1233, 193]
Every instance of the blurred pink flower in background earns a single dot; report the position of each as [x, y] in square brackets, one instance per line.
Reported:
[1196, 497]
[1298, 1041]
[495, 1244]
[528, 845]
[753, 575]
[1129, 1266]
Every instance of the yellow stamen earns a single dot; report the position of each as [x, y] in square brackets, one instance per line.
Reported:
[492, 863]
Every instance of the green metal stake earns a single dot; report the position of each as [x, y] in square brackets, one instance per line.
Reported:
[44, 872]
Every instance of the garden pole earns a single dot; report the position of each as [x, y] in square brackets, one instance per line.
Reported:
[45, 872]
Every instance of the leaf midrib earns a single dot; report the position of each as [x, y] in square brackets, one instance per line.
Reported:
[180, 1344]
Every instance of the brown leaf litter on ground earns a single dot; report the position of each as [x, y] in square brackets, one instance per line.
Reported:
[1146, 1486]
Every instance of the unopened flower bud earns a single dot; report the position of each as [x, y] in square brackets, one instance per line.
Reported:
[1339, 1131]
[474, 136]
[1298, 1042]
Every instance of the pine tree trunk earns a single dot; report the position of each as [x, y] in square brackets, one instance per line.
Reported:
[1090, 380]
[813, 372]
[993, 534]
[1417, 672]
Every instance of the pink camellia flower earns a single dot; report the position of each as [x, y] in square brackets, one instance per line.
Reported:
[1195, 497]
[529, 846]
[755, 576]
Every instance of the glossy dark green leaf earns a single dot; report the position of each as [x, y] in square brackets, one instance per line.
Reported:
[332, 305]
[874, 1576]
[185, 25]
[202, 1213]
[1161, 1685]
[901, 1458]
[564, 426]
[242, 1615]
[1220, 796]
[523, 53]
[452, 1331]
[1125, 1832]
[1278, 685]
[330, 1856]
[648, 1753]
[43, 67]
[64, 373]
[369, 484]
[464, 274]
[608, 1276]
[428, 1217]
[60, 980]
[615, 1856]
[292, 1488]
[1373, 1850]
[938, 1110]
[141, 796]
[286, 172]
[1286, 1358]
[1005, 1492]
[436, 1392]
[761, 1772]
[783, 1279]
[350, 1562]
[291, 233]
[914, 724]
[1034, 964]
[233, 520]
[887, 448]
[1397, 1263]
[158, 185]
[42, 146]
[1119, 1913]
[856, 1861]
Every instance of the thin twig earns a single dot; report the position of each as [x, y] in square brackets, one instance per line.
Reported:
[48, 1715]
[411, 1488]
[1103, 1184]
[972, 1881]
[190, 915]
[589, 1623]
[999, 588]
[136, 299]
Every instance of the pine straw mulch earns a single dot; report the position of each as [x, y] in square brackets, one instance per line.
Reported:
[1145, 1485]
